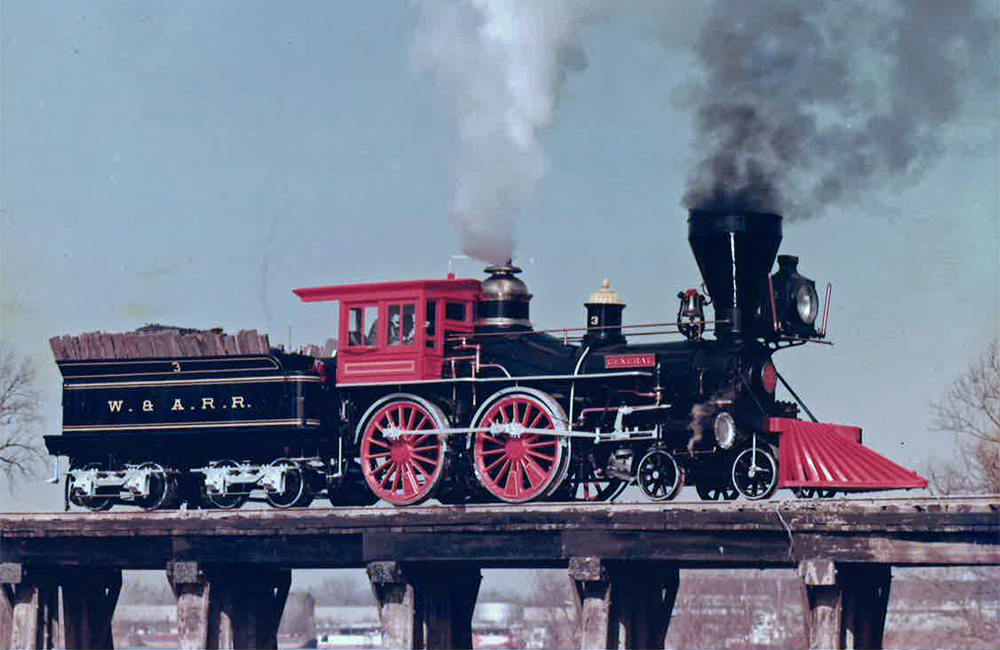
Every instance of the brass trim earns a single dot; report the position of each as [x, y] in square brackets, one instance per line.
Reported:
[193, 382]
[189, 425]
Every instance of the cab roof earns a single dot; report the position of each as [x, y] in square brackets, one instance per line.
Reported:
[442, 288]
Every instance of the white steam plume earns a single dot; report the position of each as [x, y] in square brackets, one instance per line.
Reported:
[499, 66]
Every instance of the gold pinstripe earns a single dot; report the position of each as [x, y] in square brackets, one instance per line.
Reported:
[188, 425]
[193, 382]
[192, 361]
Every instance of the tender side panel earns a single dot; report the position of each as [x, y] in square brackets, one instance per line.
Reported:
[118, 400]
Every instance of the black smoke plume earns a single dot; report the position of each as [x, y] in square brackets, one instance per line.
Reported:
[807, 104]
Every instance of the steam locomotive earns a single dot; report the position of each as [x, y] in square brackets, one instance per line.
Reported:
[442, 388]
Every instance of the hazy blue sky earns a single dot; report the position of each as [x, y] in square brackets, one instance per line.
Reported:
[192, 162]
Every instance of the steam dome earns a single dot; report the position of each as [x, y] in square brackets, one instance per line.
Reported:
[503, 299]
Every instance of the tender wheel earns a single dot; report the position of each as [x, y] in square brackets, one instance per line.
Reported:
[229, 501]
[755, 473]
[714, 492]
[94, 504]
[296, 492]
[515, 461]
[659, 476]
[402, 465]
[163, 491]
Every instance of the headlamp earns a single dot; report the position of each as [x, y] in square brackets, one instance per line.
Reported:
[806, 303]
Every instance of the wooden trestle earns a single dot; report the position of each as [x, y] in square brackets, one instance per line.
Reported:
[231, 570]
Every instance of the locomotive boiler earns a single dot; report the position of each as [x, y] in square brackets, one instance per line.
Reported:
[443, 388]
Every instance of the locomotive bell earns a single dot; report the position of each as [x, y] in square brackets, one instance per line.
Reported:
[503, 299]
[604, 317]
[734, 253]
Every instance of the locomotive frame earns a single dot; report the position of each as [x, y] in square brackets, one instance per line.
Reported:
[442, 388]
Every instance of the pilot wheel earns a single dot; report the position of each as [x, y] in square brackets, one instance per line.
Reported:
[813, 493]
[714, 492]
[755, 471]
[659, 476]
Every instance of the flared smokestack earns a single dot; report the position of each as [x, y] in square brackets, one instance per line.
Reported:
[734, 253]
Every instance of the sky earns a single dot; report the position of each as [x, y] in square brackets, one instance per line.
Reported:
[190, 163]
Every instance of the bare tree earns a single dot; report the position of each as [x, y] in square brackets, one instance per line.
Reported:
[970, 410]
[19, 413]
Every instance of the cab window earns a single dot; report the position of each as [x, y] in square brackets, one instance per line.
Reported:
[431, 325]
[362, 326]
[402, 324]
[454, 311]
[371, 321]
[355, 326]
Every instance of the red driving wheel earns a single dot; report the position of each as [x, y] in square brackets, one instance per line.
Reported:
[402, 465]
[514, 463]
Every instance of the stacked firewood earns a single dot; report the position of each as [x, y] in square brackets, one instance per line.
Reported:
[323, 351]
[157, 341]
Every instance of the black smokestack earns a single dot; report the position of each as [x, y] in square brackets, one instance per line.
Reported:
[734, 251]
[805, 104]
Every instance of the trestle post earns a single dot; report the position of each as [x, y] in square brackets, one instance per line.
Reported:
[32, 597]
[6, 617]
[845, 603]
[228, 606]
[623, 603]
[89, 600]
[425, 604]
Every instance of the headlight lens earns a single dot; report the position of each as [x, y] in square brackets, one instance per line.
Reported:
[806, 303]
[725, 430]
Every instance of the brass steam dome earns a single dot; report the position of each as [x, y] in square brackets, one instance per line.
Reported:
[503, 299]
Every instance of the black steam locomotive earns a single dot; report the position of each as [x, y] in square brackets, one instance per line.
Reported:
[442, 388]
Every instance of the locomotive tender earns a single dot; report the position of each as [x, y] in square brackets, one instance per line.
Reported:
[442, 388]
